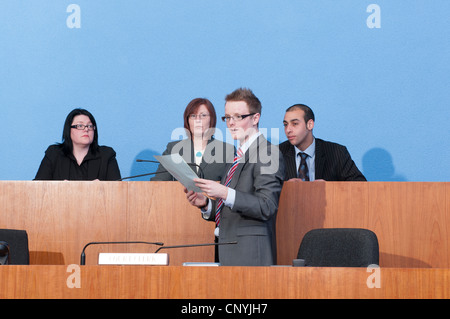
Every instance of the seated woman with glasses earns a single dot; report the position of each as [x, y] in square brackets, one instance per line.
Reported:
[79, 157]
[207, 156]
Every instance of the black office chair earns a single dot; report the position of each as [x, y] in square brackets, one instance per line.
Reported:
[17, 242]
[339, 247]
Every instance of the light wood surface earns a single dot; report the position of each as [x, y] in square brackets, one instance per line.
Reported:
[410, 219]
[62, 217]
[178, 282]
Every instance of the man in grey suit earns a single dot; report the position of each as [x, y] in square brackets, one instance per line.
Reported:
[324, 160]
[249, 201]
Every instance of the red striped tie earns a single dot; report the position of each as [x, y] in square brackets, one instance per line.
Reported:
[227, 182]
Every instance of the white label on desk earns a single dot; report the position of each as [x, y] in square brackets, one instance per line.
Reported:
[133, 259]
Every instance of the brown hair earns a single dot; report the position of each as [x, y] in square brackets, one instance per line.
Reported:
[246, 95]
[193, 106]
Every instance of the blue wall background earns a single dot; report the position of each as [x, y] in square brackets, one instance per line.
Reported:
[383, 92]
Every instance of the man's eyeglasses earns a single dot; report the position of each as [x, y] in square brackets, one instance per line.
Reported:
[200, 116]
[81, 127]
[227, 118]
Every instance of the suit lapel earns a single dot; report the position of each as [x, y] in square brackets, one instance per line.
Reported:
[245, 159]
[209, 153]
[291, 165]
[238, 171]
[208, 156]
[187, 151]
[319, 160]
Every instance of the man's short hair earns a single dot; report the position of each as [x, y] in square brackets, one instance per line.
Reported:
[309, 114]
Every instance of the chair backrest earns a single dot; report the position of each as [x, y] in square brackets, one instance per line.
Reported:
[18, 246]
[339, 247]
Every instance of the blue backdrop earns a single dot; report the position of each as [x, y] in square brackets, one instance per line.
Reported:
[375, 73]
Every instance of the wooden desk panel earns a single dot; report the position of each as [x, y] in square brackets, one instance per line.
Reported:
[411, 219]
[159, 211]
[178, 282]
[61, 217]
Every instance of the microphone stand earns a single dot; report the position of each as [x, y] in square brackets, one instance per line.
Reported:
[197, 245]
[121, 179]
[202, 175]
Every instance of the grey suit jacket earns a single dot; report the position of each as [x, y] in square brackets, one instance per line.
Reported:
[215, 159]
[251, 222]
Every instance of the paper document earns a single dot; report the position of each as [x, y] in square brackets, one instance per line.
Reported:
[179, 169]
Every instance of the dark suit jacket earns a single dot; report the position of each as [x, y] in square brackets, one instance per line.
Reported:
[216, 156]
[333, 162]
[56, 165]
[258, 180]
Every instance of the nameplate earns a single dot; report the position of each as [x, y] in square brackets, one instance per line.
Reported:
[133, 259]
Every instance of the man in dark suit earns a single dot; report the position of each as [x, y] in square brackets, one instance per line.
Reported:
[248, 197]
[323, 160]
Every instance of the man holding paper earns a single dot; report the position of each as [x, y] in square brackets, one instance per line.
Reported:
[245, 203]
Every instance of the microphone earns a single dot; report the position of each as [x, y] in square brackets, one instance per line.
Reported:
[190, 164]
[83, 256]
[197, 245]
[4, 253]
[147, 161]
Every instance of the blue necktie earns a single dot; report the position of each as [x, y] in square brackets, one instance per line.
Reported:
[303, 172]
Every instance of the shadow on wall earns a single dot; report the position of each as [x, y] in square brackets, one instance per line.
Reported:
[138, 168]
[379, 167]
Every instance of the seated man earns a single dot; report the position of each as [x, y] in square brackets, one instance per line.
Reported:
[309, 158]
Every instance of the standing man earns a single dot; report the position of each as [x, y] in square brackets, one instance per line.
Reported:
[245, 202]
[309, 158]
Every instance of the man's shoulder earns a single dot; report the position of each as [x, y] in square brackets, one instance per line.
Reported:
[329, 145]
[285, 147]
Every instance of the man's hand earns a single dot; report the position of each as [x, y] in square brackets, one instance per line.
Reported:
[211, 189]
[196, 199]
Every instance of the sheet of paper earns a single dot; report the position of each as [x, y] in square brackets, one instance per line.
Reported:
[179, 169]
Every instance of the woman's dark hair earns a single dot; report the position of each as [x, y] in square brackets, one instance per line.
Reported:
[67, 144]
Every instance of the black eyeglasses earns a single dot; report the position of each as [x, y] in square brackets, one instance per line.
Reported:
[227, 118]
[81, 127]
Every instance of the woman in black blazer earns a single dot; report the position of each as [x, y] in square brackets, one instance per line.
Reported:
[79, 157]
